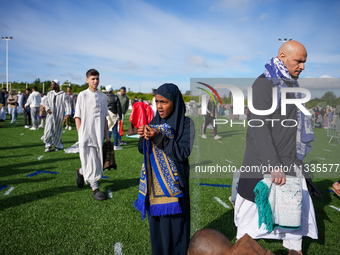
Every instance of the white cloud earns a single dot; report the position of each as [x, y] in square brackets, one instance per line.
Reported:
[195, 61]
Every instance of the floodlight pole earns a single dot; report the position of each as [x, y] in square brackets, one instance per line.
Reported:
[6, 39]
[284, 40]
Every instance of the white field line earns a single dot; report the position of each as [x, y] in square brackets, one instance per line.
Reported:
[326, 150]
[196, 146]
[333, 144]
[40, 157]
[321, 158]
[228, 161]
[22, 134]
[334, 207]
[219, 141]
[243, 138]
[118, 249]
[9, 191]
[221, 202]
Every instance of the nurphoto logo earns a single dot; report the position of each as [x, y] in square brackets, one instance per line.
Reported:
[238, 99]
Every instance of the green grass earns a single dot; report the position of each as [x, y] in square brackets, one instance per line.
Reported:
[48, 214]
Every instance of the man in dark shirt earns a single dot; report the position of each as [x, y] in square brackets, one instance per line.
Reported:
[271, 144]
[27, 114]
[115, 114]
[209, 118]
[124, 102]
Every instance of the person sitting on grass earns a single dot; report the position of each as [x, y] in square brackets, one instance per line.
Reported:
[91, 123]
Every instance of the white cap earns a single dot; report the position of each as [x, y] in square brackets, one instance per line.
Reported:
[108, 88]
[56, 81]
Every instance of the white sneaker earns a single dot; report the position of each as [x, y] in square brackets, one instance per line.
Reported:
[69, 128]
[33, 128]
[41, 125]
[66, 127]
[122, 143]
[117, 148]
[204, 136]
[27, 126]
[217, 137]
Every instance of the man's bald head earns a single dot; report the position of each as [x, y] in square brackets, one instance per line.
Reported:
[294, 55]
[209, 241]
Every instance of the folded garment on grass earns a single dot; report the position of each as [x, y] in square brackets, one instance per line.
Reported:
[73, 149]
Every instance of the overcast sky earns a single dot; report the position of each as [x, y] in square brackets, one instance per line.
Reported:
[143, 44]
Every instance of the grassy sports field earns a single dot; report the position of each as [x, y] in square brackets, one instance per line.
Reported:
[48, 214]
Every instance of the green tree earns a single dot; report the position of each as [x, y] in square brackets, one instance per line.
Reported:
[329, 97]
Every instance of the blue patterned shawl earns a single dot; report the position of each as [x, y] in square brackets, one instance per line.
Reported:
[158, 177]
[277, 73]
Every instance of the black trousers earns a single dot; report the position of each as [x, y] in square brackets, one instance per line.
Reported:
[208, 119]
[27, 114]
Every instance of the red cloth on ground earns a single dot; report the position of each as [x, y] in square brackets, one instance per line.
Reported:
[141, 114]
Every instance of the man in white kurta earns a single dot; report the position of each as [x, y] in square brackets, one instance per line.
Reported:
[56, 104]
[90, 115]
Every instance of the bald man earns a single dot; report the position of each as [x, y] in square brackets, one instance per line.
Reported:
[277, 147]
[209, 242]
[212, 242]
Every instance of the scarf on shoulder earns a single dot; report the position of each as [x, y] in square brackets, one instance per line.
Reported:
[158, 180]
[279, 206]
[277, 73]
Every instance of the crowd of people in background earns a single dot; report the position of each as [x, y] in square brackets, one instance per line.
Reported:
[324, 117]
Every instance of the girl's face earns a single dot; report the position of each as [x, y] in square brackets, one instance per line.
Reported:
[164, 106]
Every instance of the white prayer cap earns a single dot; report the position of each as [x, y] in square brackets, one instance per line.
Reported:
[56, 81]
[108, 88]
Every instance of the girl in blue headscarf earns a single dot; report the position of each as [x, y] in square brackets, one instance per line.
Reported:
[166, 144]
